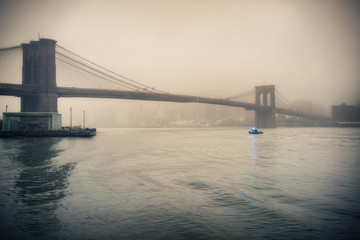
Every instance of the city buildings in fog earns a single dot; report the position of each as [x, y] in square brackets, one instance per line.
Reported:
[187, 115]
[311, 107]
[346, 113]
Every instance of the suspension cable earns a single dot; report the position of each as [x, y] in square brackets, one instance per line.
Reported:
[9, 48]
[10, 64]
[118, 83]
[98, 71]
[143, 85]
[243, 94]
[287, 103]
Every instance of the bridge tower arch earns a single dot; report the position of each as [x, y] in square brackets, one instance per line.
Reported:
[39, 70]
[265, 114]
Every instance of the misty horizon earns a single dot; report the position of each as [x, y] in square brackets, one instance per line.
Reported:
[308, 49]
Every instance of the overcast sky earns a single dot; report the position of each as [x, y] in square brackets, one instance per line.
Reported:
[309, 49]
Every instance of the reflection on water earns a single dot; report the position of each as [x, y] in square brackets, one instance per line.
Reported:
[253, 157]
[253, 152]
[39, 186]
[183, 184]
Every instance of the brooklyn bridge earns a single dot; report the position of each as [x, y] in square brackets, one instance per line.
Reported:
[48, 71]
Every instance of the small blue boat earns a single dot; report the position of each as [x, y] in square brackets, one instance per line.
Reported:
[255, 131]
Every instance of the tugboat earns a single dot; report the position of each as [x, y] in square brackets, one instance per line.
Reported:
[255, 131]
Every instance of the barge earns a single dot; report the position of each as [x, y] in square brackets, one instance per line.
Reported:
[87, 132]
[39, 124]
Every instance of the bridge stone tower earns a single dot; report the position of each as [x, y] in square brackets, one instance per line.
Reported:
[39, 70]
[265, 118]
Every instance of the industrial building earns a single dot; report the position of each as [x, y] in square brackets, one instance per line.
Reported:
[346, 113]
[34, 121]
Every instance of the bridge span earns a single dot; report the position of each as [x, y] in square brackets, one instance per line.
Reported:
[20, 90]
[39, 91]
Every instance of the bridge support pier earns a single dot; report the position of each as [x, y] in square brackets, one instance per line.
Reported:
[39, 70]
[42, 102]
[265, 117]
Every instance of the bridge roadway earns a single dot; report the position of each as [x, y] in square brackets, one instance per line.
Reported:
[23, 90]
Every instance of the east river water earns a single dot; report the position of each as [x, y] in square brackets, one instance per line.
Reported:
[200, 183]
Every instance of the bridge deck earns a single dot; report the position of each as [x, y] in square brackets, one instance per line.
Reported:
[23, 90]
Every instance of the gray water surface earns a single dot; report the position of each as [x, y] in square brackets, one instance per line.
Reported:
[201, 183]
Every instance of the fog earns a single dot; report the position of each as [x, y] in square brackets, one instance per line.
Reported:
[309, 49]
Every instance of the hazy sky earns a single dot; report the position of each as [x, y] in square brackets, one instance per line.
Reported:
[308, 48]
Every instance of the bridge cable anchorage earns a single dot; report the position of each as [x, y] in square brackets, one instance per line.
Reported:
[128, 79]
[112, 81]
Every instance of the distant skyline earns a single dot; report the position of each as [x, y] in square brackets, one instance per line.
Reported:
[308, 49]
